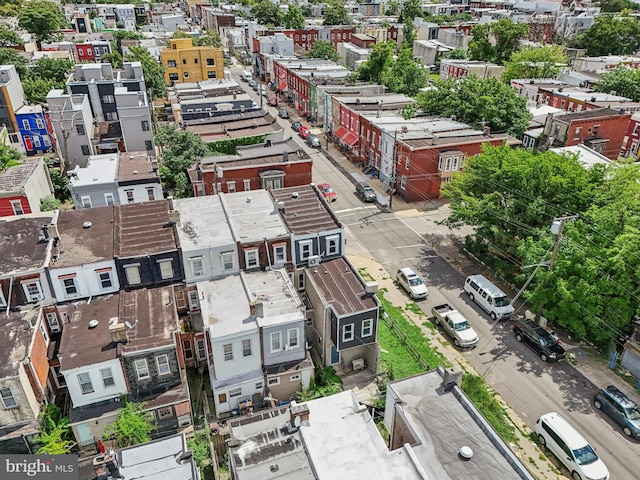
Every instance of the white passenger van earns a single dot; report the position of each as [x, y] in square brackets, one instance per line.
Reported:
[246, 76]
[571, 448]
[493, 300]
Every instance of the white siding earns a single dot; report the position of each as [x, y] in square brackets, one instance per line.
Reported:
[86, 279]
[100, 393]
[240, 364]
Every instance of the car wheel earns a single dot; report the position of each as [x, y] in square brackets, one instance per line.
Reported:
[493, 316]
[542, 441]
[471, 297]
[576, 475]
[456, 342]
[597, 404]
[544, 357]
[518, 337]
[436, 320]
[627, 431]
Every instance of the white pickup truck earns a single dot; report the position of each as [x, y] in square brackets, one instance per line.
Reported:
[454, 323]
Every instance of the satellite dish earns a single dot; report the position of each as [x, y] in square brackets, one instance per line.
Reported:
[93, 323]
[296, 421]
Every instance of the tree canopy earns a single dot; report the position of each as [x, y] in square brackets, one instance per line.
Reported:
[610, 35]
[9, 38]
[511, 198]
[405, 74]
[9, 56]
[410, 10]
[132, 426]
[267, 13]
[54, 435]
[323, 49]
[9, 157]
[379, 59]
[535, 62]
[623, 80]
[293, 18]
[617, 5]
[506, 37]
[478, 103]
[336, 14]
[152, 70]
[42, 18]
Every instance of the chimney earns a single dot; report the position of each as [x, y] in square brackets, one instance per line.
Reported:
[486, 131]
[170, 202]
[267, 143]
[285, 157]
[452, 377]
[118, 332]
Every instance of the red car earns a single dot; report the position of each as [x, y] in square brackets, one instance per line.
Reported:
[329, 193]
[304, 131]
[272, 101]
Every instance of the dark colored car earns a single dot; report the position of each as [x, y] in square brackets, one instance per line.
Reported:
[539, 340]
[313, 141]
[624, 411]
[283, 114]
[296, 126]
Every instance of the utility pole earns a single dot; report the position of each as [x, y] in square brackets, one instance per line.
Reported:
[557, 228]
[392, 180]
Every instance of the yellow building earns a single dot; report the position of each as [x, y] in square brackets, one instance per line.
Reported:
[185, 63]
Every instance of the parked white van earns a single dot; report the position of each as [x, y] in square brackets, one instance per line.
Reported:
[246, 76]
[493, 300]
[570, 448]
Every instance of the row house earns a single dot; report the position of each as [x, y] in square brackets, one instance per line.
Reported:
[603, 130]
[454, 68]
[115, 179]
[92, 51]
[23, 186]
[35, 129]
[275, 44]
[303, 38]
[184, 62]
[575, 99]
[605, 63]
[631, 140]
[64, 46]
[129, 347]
[11, 99]
[270, 165]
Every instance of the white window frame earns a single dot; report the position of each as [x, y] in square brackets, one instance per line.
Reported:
[348, 332]
[162, 362]
[236, 392]
[231, 187]
[194, 302]
[85, 200]
[142, 369]
[454, 165]
[447, 167]
[25, 124]
[276, 340]
[295, 377]
[226, 258]
[86, 381]
[306, 249]
[227, 351]
[403, 182]
[293, 334]
[106, 374]
[39, 123]
[3, 302]
[280, 254]
[201, 348]
[132, 272]
[130, 198]
[197, 266]
[66, 287]
[16, 205]
[101, 281]
[32, 296]
[43, 331]
[247, 351]
[247, 185]
[162, 264]
[251, 258]
[367, 328]
[440, 163]
[8, 401]
[273, 381]
[333, 245]
[109, 199]
[151, 194]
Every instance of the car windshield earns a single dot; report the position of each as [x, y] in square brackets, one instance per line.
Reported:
[415, 281]
[502, 302]
[458, 327]
[328, 190]
[585, 455]
[547, 340]
[633, 413]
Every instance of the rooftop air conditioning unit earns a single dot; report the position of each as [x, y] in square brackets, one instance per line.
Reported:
[357, 364]
[314, 260]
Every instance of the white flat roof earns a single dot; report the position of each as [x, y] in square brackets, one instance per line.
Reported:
[100, 169]
[225, 307]
[202, 223]
[586, 156]
[252, 216]
[280, 301]
[156, 460]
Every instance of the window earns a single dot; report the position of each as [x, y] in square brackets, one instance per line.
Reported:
[251, 258]
[210, 62]
[111, 116]
[166, 269]
[403, 182]
[211, 74]
[301, 281]
[162, 361]
[80, 129]
[273, 381]
[280, 254]
[293, 338]
[86, 201]
[448, 165]
[52, 320]
[247, 185]
[165, 412]
[188, 350]
[195, 60]
[17, 207]
[184, 61]
[228, 352]
[202, 349]
[276, 344]
[43, 331]
[295, 378]
[595, 130]
[347, 332]
[222, 398]
[69, 285]
[107, 377]
[108, 199]
[129, 196]
[171, 64]
[185, 74]
[46, 141]
[133, 274]
[104, 278]
[258, 385]
[440, 164]
[3, 302]
[145, 125]
[8, 399]
[576, 135]
[305, 249]
[367, 328]
[197, 267]
[454, 165]
[231, 187]
[84, 379]
[332, 245]
[148, 145]
[85, 150]
[32, 291]
[193, 300]
[407, 162]
[173, 77]
[227, 260]
[59, 378]
[151, 194]
[142, 369]
[246, 348]
[25, 124]
[236, 392]
[108, 99]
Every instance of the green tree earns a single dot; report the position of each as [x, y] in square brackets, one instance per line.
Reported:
[199, 445]
[392, 8]
[132, 426]
[323, 49]
[336, 14]
[114, 58]
[10, 8]
[152, 70]
[478, 103]
[180, 150]
[267, 13]
[9, 38]
[9, 56]
[410, 10]
[9, 157]
[623, 80]
[610, 35]
[36, 89]
[405, 74]
[379, 59]
[48, 204]
[535, 62]
[119, 35]
[52, 68]
[60, 183]
[42, 18]
[496, 42]
[617, 5]
[456, 53]
[293, 18]
[209, 39]
[54, 435]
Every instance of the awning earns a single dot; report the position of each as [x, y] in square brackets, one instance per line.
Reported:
[350, 139]
[283, 86]
[340, 132]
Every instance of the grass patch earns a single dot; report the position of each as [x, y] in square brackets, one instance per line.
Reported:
[395, 359]
[366, 275]
[383, 430]
[478, 391]
[429, 324]
[414, 308]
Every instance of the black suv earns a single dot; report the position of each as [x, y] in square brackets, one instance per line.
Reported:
[619, 407]
[544, 344]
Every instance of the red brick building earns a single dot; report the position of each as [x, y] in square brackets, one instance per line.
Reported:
[632, 138]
